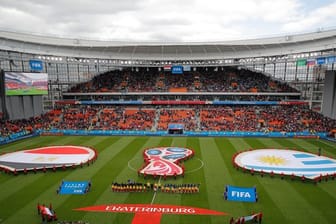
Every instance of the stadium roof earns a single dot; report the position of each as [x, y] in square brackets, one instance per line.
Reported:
[282, 45]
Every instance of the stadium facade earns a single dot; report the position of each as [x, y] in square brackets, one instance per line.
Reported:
[302, 60]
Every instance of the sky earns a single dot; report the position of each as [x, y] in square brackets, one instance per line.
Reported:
[167, 20]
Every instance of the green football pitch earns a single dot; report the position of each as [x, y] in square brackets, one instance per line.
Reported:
[281, 201]
[25, 92]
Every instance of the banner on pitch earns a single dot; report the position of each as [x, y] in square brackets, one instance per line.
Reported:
[245, 194]
[74, 187]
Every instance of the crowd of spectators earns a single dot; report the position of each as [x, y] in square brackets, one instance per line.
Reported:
[187, 117]
[82, 117]
[228, 79]
[286, 118]
[233, 80]
[228, 119]
[281, 118]
[107, 82]
[294, 119]
[25, 126]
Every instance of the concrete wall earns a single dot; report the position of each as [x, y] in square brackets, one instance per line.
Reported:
[19, 107]
[329, 95]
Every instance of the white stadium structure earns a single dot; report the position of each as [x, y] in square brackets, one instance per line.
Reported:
[70, 61]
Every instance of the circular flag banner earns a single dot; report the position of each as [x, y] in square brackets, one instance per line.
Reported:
[46, 157]
[287, 162]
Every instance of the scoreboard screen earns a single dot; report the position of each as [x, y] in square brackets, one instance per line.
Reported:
[20, 83]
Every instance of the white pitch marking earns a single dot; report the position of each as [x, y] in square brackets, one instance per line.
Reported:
[155, 193]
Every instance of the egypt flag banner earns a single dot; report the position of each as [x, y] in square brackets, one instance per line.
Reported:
[167, 67]
[47, 157]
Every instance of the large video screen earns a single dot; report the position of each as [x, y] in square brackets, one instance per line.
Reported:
[19, 83]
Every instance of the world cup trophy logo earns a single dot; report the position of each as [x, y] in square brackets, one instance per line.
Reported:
[164, 161]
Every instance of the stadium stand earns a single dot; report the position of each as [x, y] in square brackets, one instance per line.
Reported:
[265, 118]
[286, 118]
[194, 114]
[228, 80]
[161, 98]
[183, 116]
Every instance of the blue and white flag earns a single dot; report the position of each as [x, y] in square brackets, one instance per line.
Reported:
[286, 162]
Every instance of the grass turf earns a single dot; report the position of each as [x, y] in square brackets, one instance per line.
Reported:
[281, 201]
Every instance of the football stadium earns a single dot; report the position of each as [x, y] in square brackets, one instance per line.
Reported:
[240, 131]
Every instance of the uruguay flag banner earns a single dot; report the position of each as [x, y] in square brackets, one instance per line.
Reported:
[287, 162]
[245, 194]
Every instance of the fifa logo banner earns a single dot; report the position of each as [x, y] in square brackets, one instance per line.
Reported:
[36, 65]
[245, 194]
[177, 69]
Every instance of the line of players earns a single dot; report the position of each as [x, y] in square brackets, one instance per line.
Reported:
[166, 188]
